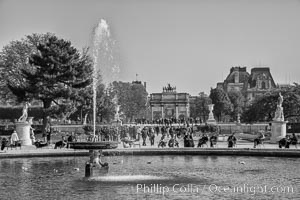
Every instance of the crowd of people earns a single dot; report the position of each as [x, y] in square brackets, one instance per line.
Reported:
[288, 140]
[169, 136]
[169, 121]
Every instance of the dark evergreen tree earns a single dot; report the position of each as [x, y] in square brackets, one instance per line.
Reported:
[57, 74]
[14, 58]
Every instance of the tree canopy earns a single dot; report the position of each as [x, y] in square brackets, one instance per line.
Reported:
[132, 98]
[14, 57]
[221, 101]
[264, 107]
[49, 69]
[238, 103]
[200, 107]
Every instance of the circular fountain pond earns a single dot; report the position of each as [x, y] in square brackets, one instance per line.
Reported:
[152, 177]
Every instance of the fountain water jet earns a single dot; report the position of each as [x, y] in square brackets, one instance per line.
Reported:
[105, 70]
[105, 67]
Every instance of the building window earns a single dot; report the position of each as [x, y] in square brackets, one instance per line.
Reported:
[254, 83]
[263, 85]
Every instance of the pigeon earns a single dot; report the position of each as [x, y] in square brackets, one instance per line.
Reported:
[242, 162]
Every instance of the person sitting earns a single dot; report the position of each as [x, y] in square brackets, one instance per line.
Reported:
[294, 140]
[4, 143]
[163, 141]
[231, 141]
[61, 143]
[285, 142]
[127, 142]
[213, 140]
[40, 144]
[203, 140]
[259, 140]
[173, 142]
[71, 138]
[188, 140]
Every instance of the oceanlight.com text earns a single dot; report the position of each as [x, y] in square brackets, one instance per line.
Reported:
[213, 188]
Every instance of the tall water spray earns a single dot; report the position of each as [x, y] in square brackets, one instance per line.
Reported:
[105, 65]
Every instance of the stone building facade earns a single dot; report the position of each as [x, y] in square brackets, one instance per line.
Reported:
[169, 104]
[258, 82]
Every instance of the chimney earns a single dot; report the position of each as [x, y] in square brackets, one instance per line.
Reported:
[236, 77]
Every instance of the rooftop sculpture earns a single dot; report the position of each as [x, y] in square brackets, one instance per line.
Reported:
[169, 88]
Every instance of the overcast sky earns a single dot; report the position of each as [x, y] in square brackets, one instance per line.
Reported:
[191, 44]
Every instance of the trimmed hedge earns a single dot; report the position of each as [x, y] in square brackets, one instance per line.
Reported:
[12, 113]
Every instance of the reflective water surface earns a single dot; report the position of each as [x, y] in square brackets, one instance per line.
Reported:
[152, 177]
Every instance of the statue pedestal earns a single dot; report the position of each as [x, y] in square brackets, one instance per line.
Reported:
[239, 128]
[278, 130]
[23, 131]
[211, 119]
[116, 123]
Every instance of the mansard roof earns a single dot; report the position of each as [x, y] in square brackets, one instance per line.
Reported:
[243, 75]
[257, 73]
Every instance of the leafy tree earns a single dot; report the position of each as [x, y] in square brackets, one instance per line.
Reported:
[132, 97]
[221, 101]
[14, 58]
[261, 109]
[291, 103]
[105, 105]
[264, 107]
[237, 99]
[200, 107]
[55, 73]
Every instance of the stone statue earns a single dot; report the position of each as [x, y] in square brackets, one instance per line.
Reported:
[117, 108]
[24, 116]
[211, 114]
[279, 110]
[211, 119]
[238, 118]
[280, 100]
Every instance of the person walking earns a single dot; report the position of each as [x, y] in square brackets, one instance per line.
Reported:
[151, 136]
[14, 138]
[144, 136]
